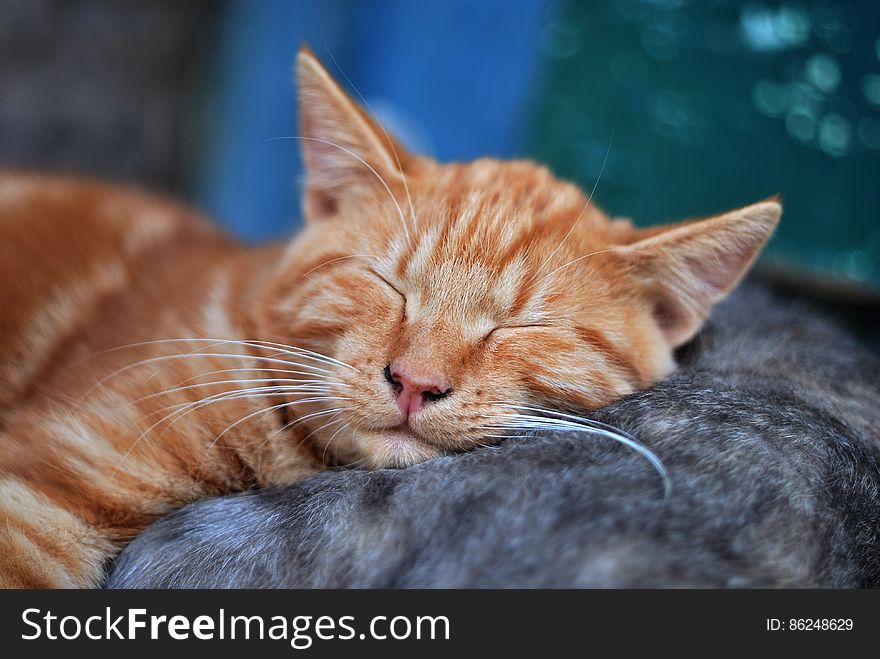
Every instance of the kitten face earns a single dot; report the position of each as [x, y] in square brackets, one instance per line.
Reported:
[446, 294]
[459, 309]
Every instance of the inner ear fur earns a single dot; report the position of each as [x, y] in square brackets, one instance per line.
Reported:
[345, 151]
[685, 269]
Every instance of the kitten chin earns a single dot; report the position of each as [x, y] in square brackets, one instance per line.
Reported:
[393, 449]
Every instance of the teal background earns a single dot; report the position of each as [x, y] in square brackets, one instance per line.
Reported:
[712, 104]
[717, 104]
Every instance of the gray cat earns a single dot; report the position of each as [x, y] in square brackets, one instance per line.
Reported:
[770, 432]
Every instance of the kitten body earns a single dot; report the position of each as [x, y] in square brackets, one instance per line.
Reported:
[147, 361]
[87, 269]
[770, 431]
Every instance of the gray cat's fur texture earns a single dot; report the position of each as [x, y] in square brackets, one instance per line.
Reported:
[770, 431]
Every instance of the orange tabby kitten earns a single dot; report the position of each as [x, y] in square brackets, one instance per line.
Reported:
[146, 360]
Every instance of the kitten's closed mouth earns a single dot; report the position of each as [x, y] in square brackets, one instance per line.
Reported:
[401, 447]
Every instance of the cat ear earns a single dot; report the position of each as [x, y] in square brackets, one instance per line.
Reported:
[345, 151]
[687, 268]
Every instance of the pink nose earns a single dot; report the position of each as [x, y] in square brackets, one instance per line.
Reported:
[414, 391]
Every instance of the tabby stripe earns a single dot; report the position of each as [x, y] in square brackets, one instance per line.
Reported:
[607, 349]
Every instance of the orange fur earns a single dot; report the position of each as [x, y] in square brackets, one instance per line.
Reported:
[491, 278]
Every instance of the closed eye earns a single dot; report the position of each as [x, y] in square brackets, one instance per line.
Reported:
[389, 284]
[515, 328]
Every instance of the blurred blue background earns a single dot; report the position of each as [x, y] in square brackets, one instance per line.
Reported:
[712, 103]
[453, 79]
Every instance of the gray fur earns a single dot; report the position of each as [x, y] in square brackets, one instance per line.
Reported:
[770, 431]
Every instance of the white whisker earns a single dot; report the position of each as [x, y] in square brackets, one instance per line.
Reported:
[299, 386]
[254, 369]
[555, 420]
[340, 258]
[225, 355]
[291, 424]
[250, 416]
[412, 211]
[360, 160]
[315, 371]
[259, 344]
[237, 394]
[332, 437]
[333, 421]
[573, 261]
[589, 199]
